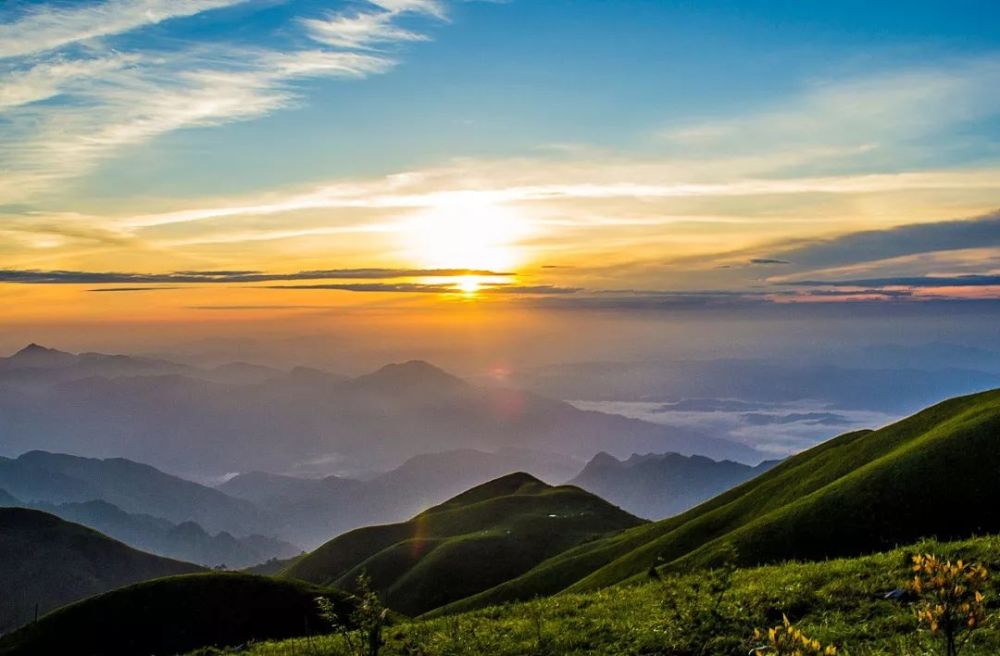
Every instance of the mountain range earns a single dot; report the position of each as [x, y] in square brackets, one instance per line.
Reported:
[516, 537]
[656, 486]
[203, 424]
[310, 511]
[186, 541]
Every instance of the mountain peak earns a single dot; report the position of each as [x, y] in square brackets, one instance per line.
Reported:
[510, 484]
[604, 459]
[36, 355]
[412, 374]
[35, 348]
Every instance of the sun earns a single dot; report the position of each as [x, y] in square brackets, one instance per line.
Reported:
[468, 285]
[465, 232]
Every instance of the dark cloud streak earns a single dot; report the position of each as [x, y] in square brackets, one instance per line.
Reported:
[968, 280]
[62, 277]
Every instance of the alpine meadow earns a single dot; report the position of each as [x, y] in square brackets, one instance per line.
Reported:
[499, 328]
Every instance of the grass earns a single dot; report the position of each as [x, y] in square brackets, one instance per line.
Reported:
[470, 543]
[177, 614]
[838, 601]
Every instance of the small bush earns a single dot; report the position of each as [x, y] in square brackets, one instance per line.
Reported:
[951, 602]
[786, 640]
[362, 632]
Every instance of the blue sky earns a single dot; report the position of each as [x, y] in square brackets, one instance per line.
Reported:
[596, 150]
[501, 78]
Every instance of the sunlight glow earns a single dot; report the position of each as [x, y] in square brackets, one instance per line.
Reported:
[469, 285]
[466, 232]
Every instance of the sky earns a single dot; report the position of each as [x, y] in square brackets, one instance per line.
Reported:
[539, 177]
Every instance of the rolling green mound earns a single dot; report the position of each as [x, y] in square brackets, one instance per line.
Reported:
[177, 614]
[48, 562]
[472, 542]
[932, 474]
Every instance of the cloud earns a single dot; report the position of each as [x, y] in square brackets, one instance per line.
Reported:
[44, 27]
[968, 280]
[133, 289]
[712, 405]
[130, 105]
[808, 418]
[876, 117]
[438, 288]
[394, 288]
[365, 29]
[766, 260]
[905, 240]
[488, 183]
[57, 277]
[100, 101]
[49, 79]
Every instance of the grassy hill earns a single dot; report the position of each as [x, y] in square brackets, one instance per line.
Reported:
[930, 474]
[50, 562]
[840, 602]
[470, 543]
[176, 614]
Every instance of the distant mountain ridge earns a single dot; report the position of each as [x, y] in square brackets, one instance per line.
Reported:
[186, 541]
[656, 486]
[311, 511]
[204, 424]
[131, 486]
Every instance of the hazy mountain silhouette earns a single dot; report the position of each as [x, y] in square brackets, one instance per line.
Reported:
[656, 486]
[38, 476]
[186, 541]
[304, 421]
[310, 511]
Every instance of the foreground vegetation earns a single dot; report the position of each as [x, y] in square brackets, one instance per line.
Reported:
[862, 606]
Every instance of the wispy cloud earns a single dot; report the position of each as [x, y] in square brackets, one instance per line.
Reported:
[50, 79]
[874, 118]
[46, 26]
[102, 101]
[373, 27]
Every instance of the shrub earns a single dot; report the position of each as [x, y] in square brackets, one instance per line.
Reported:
[701, 619]
[786, 640]
[951, 603]
[362, 632]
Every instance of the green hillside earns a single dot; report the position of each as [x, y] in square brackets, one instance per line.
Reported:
[177, 614]
[470, 543]
[840, 602]
[48, 562]
[929, 474]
